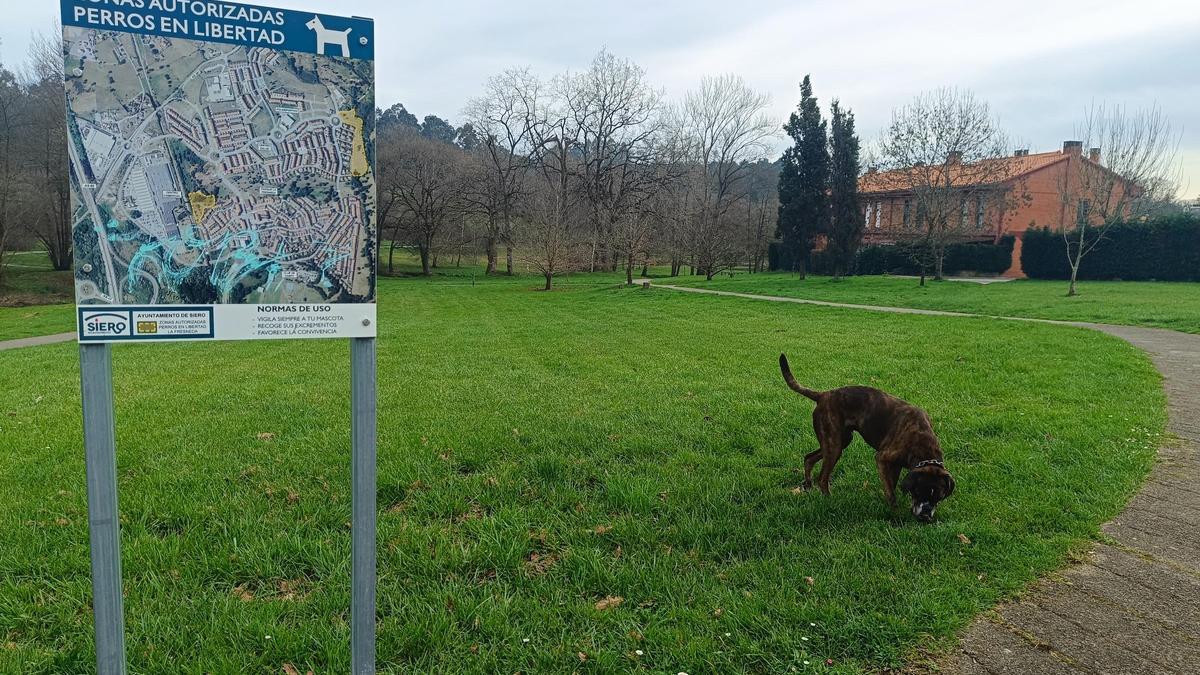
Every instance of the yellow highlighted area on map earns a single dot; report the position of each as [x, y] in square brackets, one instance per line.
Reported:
[201, 204]
[358, 149]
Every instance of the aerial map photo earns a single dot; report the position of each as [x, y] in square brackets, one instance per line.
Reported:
[238, 175]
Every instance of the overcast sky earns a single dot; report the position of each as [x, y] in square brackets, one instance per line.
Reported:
[1038, 62]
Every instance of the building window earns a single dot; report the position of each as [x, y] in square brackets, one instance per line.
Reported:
[867, 222]
[979, 212]
[907, 212]
[878, 213]
[962, 213]
[1082, 212]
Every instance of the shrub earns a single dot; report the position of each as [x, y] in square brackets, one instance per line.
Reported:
[980, 258]
[1162, 249]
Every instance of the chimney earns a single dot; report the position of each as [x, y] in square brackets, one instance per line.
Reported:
[954, 157]
[1023, 152]
[1094, 155]
[1072, 147]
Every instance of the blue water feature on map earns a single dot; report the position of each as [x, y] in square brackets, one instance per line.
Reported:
[236, 255]
[230, 23]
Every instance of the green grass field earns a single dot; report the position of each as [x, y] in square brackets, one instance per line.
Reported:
[541, 453]
[29, 279]
[1172, 305]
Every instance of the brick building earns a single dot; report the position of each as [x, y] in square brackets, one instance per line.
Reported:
[1022, 192]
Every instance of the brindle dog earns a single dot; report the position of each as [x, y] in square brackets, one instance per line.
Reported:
[900, 432]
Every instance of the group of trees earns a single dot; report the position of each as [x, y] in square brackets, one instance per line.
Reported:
[34, 194]
[597, 170]
[593, 170]
[818, 184]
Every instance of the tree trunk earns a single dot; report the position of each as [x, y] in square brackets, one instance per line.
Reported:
[508, 260]
[424, 260]
[490, 245]
[800, 268]
[629, 270]
[391, 254]
[922, 276]
[1074, 261]
[549, 281]
[939, 260]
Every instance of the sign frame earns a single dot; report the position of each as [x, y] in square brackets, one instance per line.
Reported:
[286, 33]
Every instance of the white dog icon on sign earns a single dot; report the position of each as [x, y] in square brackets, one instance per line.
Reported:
[325, 36]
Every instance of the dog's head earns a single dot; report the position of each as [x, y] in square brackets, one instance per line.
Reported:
[927, 484]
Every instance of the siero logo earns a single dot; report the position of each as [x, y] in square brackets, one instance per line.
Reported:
[105, 324]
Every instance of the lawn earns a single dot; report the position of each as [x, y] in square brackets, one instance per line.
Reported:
[29, 279]
[31, 320]
[542, 455]
[1174, 305]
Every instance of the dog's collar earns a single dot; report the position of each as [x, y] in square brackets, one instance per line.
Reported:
[928, 462]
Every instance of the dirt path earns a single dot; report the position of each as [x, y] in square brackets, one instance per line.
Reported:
[1134, 606]
[36, 341]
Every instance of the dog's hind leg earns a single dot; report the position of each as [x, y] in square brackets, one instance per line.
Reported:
[810, 460]
[832, 445]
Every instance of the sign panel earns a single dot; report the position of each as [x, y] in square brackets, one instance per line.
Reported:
[222, 171]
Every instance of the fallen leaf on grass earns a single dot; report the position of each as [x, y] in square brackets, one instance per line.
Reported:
[292, 496]
[62, 522]
[797, 490]
[540, 563]
[609, 602]
[582, 657]
[964, 539]
[242, 593]
[266, 436]
[289, 590]
[602, 529]
[717, 613]
[289, 669]
[810, 580]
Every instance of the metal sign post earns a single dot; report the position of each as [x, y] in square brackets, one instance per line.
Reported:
[104, 528]
[362, 524]
[220, 190]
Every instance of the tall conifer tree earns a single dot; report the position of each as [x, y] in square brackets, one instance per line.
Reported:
[845, 217]
[804, 180]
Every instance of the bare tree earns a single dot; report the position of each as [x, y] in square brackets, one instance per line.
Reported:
[503, 118]
[389, 210]
[946, 148]
[1131, 168]
[553, 202]
[615, 115]
[12, 124]
[723, 126]
[47, 190]
[429, 183]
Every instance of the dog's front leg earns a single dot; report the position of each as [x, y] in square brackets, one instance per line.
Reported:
[889, 473]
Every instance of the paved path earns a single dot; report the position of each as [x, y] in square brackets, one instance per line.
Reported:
[1134, 606]
[35, 341]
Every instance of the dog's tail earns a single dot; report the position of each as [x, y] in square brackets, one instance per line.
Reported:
[791, 381]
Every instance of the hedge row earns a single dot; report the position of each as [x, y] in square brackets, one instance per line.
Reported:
[1163, 249]
[970, 257]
